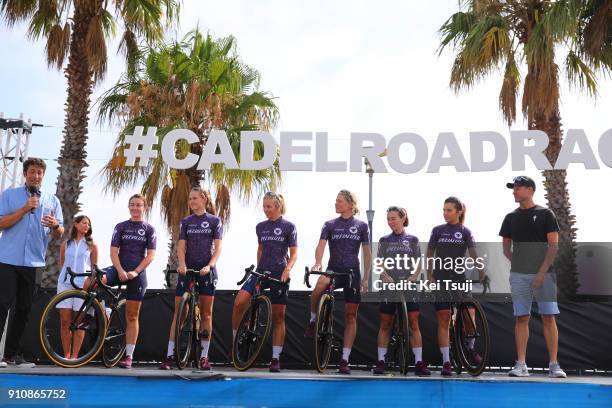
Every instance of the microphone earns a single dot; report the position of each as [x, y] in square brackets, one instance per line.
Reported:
[34, 192]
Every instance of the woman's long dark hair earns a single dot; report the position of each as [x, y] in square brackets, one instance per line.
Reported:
[73, 231]
[459, 206]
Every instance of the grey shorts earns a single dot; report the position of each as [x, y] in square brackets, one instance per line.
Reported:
[523, 294]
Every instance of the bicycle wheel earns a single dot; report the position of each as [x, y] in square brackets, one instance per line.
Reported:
[453, 349]
[472, 334]
[401, 333]
[183, 331]
[252, 333]
[114, 341]
[324, 331]
[84, 335]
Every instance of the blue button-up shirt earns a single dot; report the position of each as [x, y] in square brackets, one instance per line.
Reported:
[25, 243]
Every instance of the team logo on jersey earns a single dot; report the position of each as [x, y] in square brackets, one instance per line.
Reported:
[406, 242]
[205, 224]
[353, 230]
[534, 218]
[278, 231]
[458, 235]
[141, 232]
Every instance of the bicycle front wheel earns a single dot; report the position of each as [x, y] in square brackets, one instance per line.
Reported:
[114, 341]
[472, 335]
[72, 324]
[402, 338]
[324, 331]
[183, 331]
[252, 333]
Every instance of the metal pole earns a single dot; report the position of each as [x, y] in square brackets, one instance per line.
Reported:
[370, 214]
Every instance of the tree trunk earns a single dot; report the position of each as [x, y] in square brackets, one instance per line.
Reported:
[557, 196]
[172, 264]
[72, 155]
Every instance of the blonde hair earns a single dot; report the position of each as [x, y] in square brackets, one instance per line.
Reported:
[351, 198]
[210, 205]
[278, 199]
[141, 197]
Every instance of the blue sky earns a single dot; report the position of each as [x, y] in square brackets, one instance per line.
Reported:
[337, 67]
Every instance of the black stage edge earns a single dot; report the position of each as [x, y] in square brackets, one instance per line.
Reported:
[585, 332]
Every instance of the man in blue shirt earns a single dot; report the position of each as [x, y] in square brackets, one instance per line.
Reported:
[27, 218]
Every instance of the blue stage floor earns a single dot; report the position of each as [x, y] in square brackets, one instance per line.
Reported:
[95, 386]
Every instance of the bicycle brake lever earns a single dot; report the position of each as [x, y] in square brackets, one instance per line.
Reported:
[307, 277]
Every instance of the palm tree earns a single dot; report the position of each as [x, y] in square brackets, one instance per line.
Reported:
[79, 30]
[488, 35]
[198, 84]
[595, 32]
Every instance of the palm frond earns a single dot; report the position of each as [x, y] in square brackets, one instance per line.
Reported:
[509, 91]
[580, 75]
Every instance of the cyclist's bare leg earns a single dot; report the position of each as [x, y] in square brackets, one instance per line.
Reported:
[132, 311]
[320, 287]
[278, 317]
[240, 306]
[415, 330]
[350, 322]
[444, 317]
[384, 331]
[206, 308]
[177, 301]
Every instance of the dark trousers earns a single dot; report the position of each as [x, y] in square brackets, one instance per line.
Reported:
[17, 289]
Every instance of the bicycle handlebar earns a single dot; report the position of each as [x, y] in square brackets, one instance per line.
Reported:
[74, 275]
[330, 274]
[264, 275]
[96, 273]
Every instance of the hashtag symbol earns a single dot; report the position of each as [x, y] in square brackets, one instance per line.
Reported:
[136, 141]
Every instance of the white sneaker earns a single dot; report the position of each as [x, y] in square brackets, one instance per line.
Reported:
[555, 371]
[3, 364]
[519, 370]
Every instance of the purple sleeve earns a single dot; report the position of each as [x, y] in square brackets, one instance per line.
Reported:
[218, 231]
[183, 230]
[380, 250]
[151, 238]
[365, 234]
[116, 240]
[258, 235]
[433, 239]
[292, 238]
[469, 238]
[325, 232]
[416, 248]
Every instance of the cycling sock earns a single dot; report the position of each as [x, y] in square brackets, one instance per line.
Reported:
[276, 350]
[445, 354]
[170, 349]
[129, 350]
[313, 316]
[346, 352]
[234, 334]
[418, 353]
[381, 353]
[471, 342]
[205, 345]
